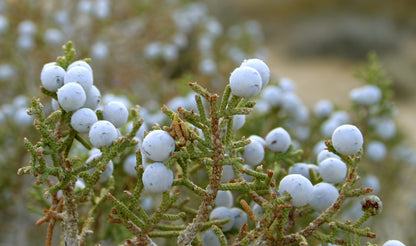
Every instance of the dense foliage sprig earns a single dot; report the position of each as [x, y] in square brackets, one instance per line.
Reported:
[196, 176]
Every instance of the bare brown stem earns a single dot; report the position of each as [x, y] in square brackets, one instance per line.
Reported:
[70, 223]
[49, 232]
[249, 211]
[141, 238]
[188, 235]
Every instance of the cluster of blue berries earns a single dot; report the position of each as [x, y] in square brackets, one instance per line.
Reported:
[347, 140]
[304, 184]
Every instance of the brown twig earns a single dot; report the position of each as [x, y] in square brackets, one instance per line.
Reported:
[258, 199]
[141, 238]
[52, 215]
[70, 222]
[178, 129]
[49, 232]
[249, 211]
[188, 235]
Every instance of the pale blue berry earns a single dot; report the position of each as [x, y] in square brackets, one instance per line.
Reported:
[298, 187]
[287, 85]
[323, 196]
[393, 243]
[224, 199]
[258, 139]
[240, 218]
[301, 168]
[257, 210]
[116, 113]
[53, 36]
[278, 140]
[323, 108]
[83, 119]
[210, 238]
[328, 127]
[220, 213]
[272, 95]
[52, 77]
[207, 66]
[366, 95]
[290, 102]
[26, 27]
[157, 145]
[333, 170]
[157, 178]
[245, 82]
[80, 63]
[54, 104]
[325, 154]
[147, 203]
[261, 107]
[253, 153]
[341, 117]
[99, 50]
[238, 121]
[22, 119]
[376, 151]
[129, 165]
[385, 128]
[261, 68]
[227, 173]
[7, 72]
[347, 140]
[102, 133]
[93, 98]
[318, 147]
[79, 75]
[71, 96]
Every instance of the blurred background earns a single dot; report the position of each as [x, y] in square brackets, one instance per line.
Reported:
[147, 51]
